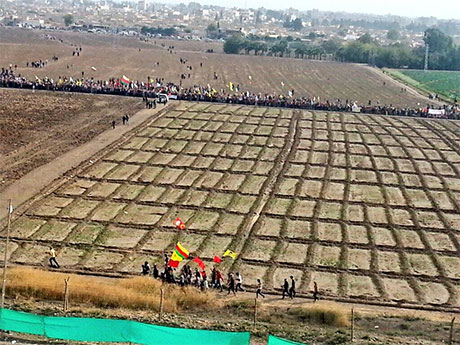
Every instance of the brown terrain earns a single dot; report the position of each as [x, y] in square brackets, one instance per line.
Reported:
[366, 206]
[37, 127]
[114, 56]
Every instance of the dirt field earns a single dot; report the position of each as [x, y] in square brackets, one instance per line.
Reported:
[37, 127]
[366, 206]
[114, 56]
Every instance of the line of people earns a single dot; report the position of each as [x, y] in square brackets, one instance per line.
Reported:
[152, 88]
[199, 279]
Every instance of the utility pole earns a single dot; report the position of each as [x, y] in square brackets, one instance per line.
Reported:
[427, 51]
[5, 260]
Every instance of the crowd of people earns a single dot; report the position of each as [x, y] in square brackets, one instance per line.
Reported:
[151, 88]
[200, 279]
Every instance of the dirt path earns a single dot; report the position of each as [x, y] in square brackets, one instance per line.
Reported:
[409, 89]
[35, 181]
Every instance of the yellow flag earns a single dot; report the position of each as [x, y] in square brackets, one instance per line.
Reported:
[176, 257]
[231, 86]
[228, 252]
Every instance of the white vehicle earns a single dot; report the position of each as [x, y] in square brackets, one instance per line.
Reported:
[163, 98]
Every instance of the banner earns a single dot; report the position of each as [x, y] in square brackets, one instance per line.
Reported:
[436, 111]
[272, 340]
[107, 330]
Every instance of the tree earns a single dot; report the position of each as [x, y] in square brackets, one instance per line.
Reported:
[279, 48]
[297, 24]
[330, 46]
[211, 30]
[68, 19]
[234, 44]
[366, 38]
[393, 35]
[312, 35]
[355, 52]
[439, 42]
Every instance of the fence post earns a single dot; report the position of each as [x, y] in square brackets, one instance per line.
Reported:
[161, 304]
[451, 332]
[66, 294]
[5, 260]
[255, 311]
[352, 333]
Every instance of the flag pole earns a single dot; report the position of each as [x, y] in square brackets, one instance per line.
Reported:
[5, 260]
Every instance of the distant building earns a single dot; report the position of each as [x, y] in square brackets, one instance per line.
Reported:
[141, 5]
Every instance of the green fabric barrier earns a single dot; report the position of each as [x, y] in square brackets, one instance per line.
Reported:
[106, 330]
[272, 340]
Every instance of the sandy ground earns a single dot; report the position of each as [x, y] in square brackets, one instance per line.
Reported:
[69, 156]
[36, 127]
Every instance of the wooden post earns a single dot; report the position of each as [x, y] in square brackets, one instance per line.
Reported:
[5, 259]
[352, 332]
[66, 294]
[161, 304]
[255, 311]
[451, 332]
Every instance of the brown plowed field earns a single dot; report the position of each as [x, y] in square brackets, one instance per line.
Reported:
[114, 56]
[366, 206]
[37, 127]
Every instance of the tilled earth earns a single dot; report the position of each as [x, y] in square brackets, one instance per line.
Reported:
[366, 206]
[37, 127]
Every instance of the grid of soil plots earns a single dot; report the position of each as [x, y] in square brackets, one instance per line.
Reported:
[366, 206]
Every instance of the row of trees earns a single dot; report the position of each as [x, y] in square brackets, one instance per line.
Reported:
[159, 31]
[239, 44]
[443, 53]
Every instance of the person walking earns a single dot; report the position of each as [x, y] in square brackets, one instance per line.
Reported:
[231, 284]
[292, 289]
[113, 124]
[259, 289]
[315, 292]
[156, 273]
[239, 282]
[52, 260]
[145, 268]
[285, 288]
[220, 281]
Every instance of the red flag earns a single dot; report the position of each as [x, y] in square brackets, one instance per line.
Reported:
[173, 263]
[179, 224]
[200, 263]
[217, 259]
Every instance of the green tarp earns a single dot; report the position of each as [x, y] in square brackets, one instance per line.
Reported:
[272, 340]
[106, 330]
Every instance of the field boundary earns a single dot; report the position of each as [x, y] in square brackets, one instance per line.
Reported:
[414, 84]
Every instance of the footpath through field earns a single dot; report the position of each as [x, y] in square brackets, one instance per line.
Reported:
[35, 181]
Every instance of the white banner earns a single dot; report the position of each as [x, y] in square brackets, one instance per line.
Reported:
[436, 111]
